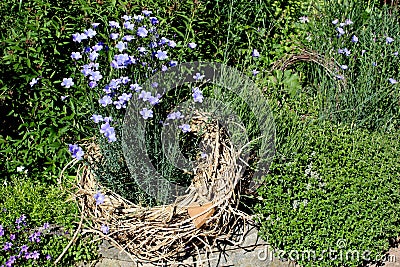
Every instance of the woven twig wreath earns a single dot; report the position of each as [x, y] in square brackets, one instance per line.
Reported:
[163, 233]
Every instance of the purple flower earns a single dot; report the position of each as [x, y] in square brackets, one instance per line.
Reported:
[339, 77]
[154, 20]
[92, 84]
[106, 100]
[67, 82]
[121, 46]
[138, 18]
[24, 248]
[125, 97]
[90, 33]
[344, 51]
[108, 132]
[125, 80]
[99, 198]
[255, 53]
[348, 22]
[354, 39]
[135, 87]
[192, 45]
[105, 229]
[153, 45]
[46, 225]
[114, 36]
[363, 52]
[146, 113]
[340, 31]
[35, 255]
[203, 155]
[76, 151]
[1, 230]
[141, 49]
[126, 17]
[154, 100]
[392, 81]
[255, 72]
[113, 24]
[334, 22]
[95, 76]
[12, 237]
[10, 261]
[119, 104]
[76, 55]
[86, 70]
[197, 95]
[35, 237]
[128, 38]
[374, 64]
[185, 128]
[142, 32]
[97, 118]
[78, 37]
[93, 56]
[21, 219]
[198, 77]
[7, 246]
[389, 40]
[48, 257]
[164, 68]
[144, 95]
[161, 55]
[175, 116]
[33, 82]
[95, 25]
[163, 41]
[344, 67]
[396, 54]
[173, 63]
[146, 13]
[171, 44]
[87, 50]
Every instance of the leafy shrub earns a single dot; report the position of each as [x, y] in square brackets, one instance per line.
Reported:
[336, 191]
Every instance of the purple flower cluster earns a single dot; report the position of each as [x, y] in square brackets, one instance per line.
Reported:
[35, 237]
[354, 39]
[16, 253]
[76, 151]
[133, 47]
[340, 28]
[197, 95]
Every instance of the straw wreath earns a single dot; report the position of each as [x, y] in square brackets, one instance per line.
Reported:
[206, 214]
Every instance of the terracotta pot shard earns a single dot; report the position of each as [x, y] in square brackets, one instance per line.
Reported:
[196, 210]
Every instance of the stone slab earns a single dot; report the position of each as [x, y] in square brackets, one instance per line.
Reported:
[245, 250]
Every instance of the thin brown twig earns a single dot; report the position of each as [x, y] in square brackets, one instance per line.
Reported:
[73, 238]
